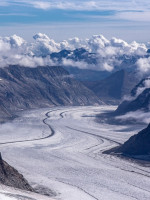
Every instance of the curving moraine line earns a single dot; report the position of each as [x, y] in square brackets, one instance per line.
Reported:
[36, 139]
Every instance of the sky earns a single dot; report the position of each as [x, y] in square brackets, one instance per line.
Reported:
[63, 19]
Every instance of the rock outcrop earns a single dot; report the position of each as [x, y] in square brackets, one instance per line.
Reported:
[137, 145]
[11, 177]
[138, 100]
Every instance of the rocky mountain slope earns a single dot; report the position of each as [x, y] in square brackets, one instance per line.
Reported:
[113, 88]
[24, 88]
[11, 177]
[136, 145]
[138, 100]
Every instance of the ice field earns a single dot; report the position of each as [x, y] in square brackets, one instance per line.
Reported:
[60, 149]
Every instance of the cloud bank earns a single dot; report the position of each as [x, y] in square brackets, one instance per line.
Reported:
[138, 116]
[100, 53]
[143, 64]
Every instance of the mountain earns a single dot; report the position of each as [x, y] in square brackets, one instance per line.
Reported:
[113, 88]
[148, 51]
[136, 145]
[25, 88]
[86, 75]
[138, 100]
[80, 54]
[11, 177]
[84, 55]
[86, 66]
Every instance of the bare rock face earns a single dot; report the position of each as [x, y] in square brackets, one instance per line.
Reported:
[137, 145]
[11, 177]
[140, 99]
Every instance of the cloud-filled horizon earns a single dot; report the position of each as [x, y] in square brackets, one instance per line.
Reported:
[108, 55]
[127, 18]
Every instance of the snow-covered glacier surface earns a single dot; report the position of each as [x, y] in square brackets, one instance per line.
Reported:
[7, 193]
[61, 149]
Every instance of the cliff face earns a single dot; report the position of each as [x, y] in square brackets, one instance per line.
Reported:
[137, 145]
[140, 99]
[11, 177]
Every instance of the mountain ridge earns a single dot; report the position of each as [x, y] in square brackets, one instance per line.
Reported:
[26, 88]
[113, 88]
[138, 100]
[136, 145]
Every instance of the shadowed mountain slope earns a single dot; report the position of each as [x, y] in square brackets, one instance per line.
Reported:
[137, 145]
[11, 177]
[113, 88]
[139, 99]
[24, 88]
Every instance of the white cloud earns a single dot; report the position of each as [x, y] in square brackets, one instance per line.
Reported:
[139, 116]
[107, 67]
[135, 16]
[143, 65]
[41, 5]
[80, 65]
[127, 10]
[107, 53]
[145, 83]
[119, 43]
[84, 65]
[98, 42]
[86, 4]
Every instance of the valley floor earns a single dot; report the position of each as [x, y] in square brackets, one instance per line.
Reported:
[59, 151]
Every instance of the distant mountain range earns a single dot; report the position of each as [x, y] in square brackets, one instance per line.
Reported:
[84, 55]
[80, 54]
[110, 86]
[80, 57]
[25, 88]
[93, 69]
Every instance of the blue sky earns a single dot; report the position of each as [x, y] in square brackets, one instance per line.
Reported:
[129, 20]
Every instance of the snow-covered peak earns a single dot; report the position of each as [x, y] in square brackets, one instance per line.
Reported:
[110, 54]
